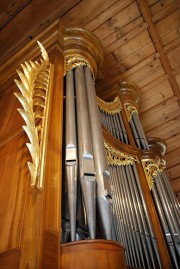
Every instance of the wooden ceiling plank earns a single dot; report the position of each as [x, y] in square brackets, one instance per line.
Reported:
[168, 24]
[173, 45]
[164, 12]
[148, 87]
[4, 4]
[33, 29]
[174, 58]
[137, 68]
[166, 130]
[16, 6]
[107, 14]
[164, 112]
[159, 5]
[176, 186]
[147, 74]
[12, 10]
[135, 76]
[109, 61]
[137, 56]
[152, 2]
[117, 34]
[172, 141]
[155, 96]
[132, 46]
[173, 173]
[173, 158]
[83, 13]
[4, 17]
[157, 43]
[126, 38]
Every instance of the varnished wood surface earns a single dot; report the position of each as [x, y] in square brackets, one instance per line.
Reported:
[141, 44]
[92, 254]
[10, 259]
[29, 218]
[52, 218]
[14, 183]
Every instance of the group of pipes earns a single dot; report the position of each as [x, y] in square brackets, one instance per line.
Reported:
[132, 224]
[125, 217]
[115, 125]
[166, 203]
[85, 158]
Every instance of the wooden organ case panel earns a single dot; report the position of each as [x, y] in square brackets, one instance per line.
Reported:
[30, 211]
[67, 193]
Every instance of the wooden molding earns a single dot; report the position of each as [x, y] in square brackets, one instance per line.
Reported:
[128, 149]
[10, 259]
[81, 42]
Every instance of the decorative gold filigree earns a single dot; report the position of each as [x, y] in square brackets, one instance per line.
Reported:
[116, 157]
[35, 99]
[75, 60]
[162, 165]
[129, 109]
[151, 169]
[110, 108]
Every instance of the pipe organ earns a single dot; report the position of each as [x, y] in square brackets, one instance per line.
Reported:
[99, 196]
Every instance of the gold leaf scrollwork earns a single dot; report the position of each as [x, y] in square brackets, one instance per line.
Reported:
[151, 169]
[129, 109]
[116, 157]
[162, 165]
[34, 85]
[75, 60]
[110, 108]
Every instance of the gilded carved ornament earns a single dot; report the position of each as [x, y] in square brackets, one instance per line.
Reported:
[151, 169]
[162, 165]
[130, 109]
[75, 60]
[35, 88]
[116, 157]
[110, 108]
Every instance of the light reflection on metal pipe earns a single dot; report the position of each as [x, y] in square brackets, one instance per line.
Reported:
[86, 162]
[71, 152]
[102, 173]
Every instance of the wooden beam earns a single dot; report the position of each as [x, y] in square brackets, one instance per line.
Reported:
[159, 47]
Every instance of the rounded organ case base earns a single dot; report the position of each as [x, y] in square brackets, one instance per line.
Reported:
[91, 254]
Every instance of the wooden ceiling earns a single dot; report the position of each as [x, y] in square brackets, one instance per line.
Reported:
[141, 44]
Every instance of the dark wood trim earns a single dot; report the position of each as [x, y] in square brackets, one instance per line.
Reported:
[10, 259]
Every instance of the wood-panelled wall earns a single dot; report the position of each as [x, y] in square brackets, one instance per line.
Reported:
[30, 218]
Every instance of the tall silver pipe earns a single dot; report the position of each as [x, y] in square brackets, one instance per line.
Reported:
[86, 162]
[165, 226]
[123, 128]
[174, 202]
[140, 130]
[125, 216]
[142, 226]
[102, 173]
[136, 137]
[135, 215]
[168, 211]
[119, 127]
[71, 151]
[131, 215]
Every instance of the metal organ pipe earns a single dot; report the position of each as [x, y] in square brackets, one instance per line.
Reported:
[101, 167]
[71, 152]
[168, 217]
[86, 161]
[138, 132]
